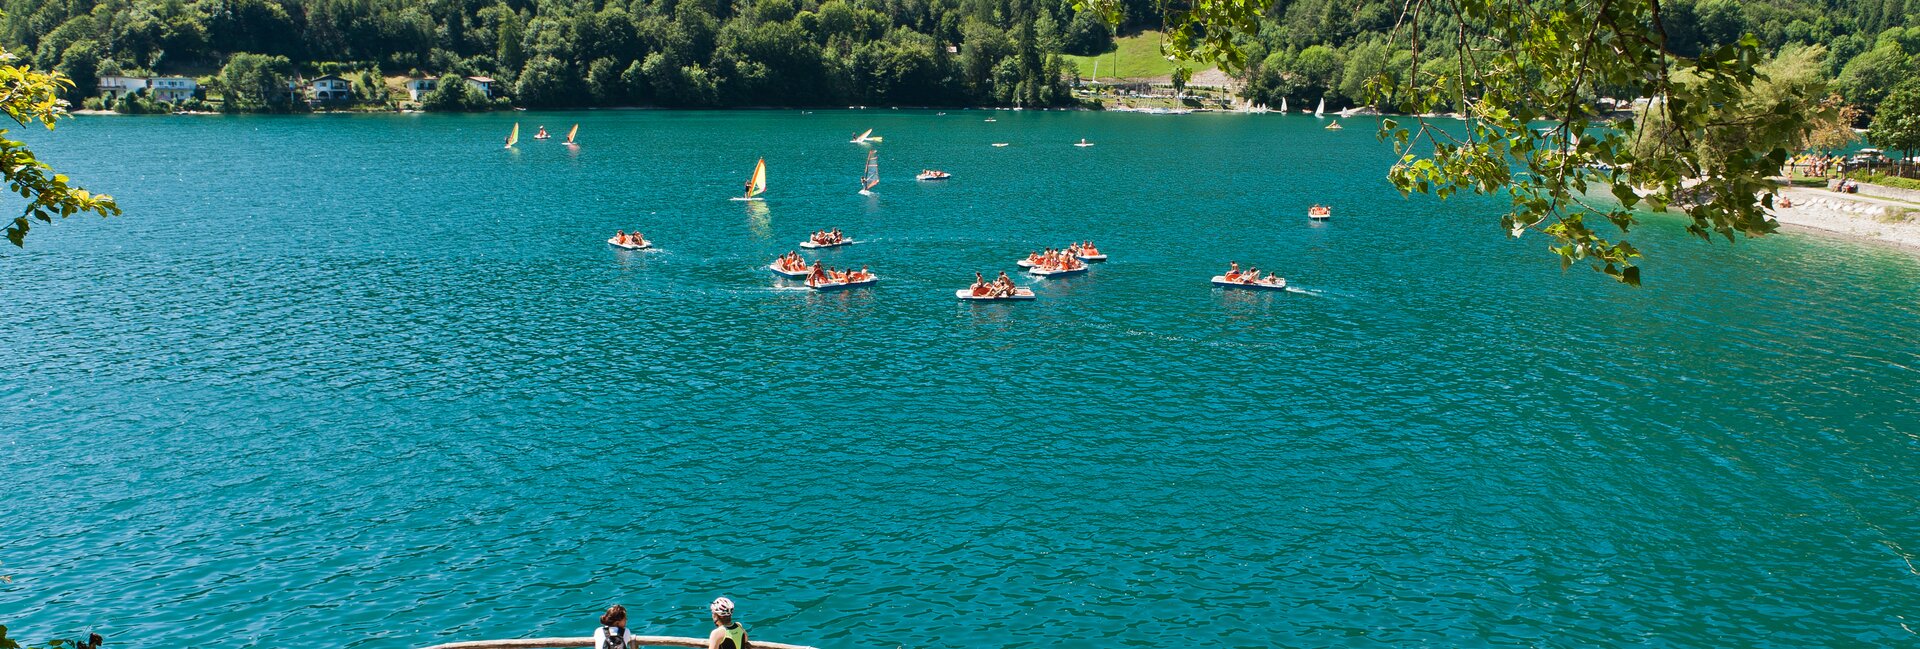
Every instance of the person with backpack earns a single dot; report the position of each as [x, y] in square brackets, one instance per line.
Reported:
[727, 634]
[612, 633]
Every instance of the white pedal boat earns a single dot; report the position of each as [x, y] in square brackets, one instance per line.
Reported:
[1018, 294]
[822, 246]
[775, 267]
[1044, 272]
[643, 245]
[933, 175]
[840, 285]
[1091, 257]
[1262, 285]
[1320, 216]
[1024, 263]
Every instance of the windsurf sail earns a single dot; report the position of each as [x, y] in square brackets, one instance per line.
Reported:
[758, 183]
[514, 137]
[873, 171]
[573, 132]
[1283, 104]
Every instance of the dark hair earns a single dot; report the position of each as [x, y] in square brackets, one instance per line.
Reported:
[614, 616]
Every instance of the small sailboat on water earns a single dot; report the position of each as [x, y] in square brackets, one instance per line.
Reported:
[572, 132]
[872, 175]
[1321, 111]
[866, 138]
[1083, 143]
[513, 137]
[756, 184]
[1283, 105]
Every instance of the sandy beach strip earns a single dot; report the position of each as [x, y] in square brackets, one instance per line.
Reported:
[1886, 221]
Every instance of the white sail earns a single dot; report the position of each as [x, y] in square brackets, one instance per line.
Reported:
[872, 176]
[1321, 111]
[1283, 104]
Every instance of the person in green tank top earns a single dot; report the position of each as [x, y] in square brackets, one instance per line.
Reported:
[727, 634]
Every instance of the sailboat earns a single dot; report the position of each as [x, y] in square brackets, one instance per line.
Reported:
[1283, 105]
[872, 176]
[756, 184]
[514, 137]
[571, 133]
[1083, 143]
[1322, 110]
[865, 138]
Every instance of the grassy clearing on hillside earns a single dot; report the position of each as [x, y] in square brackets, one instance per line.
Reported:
[1138, 57]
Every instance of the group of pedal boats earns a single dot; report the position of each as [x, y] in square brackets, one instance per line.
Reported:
[1048, 263]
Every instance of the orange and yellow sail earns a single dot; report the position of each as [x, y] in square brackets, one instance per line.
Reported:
[572, 132]
[758, 184]
[514, 137]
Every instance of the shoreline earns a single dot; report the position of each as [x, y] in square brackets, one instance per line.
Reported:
[1819, 212]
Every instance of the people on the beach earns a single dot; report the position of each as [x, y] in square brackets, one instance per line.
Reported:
[612, 633]
[727, 634]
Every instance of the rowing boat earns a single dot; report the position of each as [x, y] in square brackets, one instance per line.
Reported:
[840, 285]
[1018, 294]
[1263, 285]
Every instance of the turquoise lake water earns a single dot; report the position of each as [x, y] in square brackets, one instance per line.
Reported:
[372, 381]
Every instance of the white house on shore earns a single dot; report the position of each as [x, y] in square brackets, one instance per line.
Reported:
[331, 88]
[417, 88]
[113, 86]
[168, 89]
[482, 84]
[173, 90]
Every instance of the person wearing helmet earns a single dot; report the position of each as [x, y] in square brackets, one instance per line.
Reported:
[727, 634]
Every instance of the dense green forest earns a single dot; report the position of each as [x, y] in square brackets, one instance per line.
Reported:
[553, 53]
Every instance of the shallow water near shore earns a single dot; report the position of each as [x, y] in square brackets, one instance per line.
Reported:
[372, 381]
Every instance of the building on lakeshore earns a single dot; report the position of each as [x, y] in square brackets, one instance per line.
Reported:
[173, 90]
[330, 89]
[113, 86]
[417, 88]
[482, 84]
[168, 89]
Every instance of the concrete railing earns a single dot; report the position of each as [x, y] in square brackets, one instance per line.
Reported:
[1883, 191]
[564, 643]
